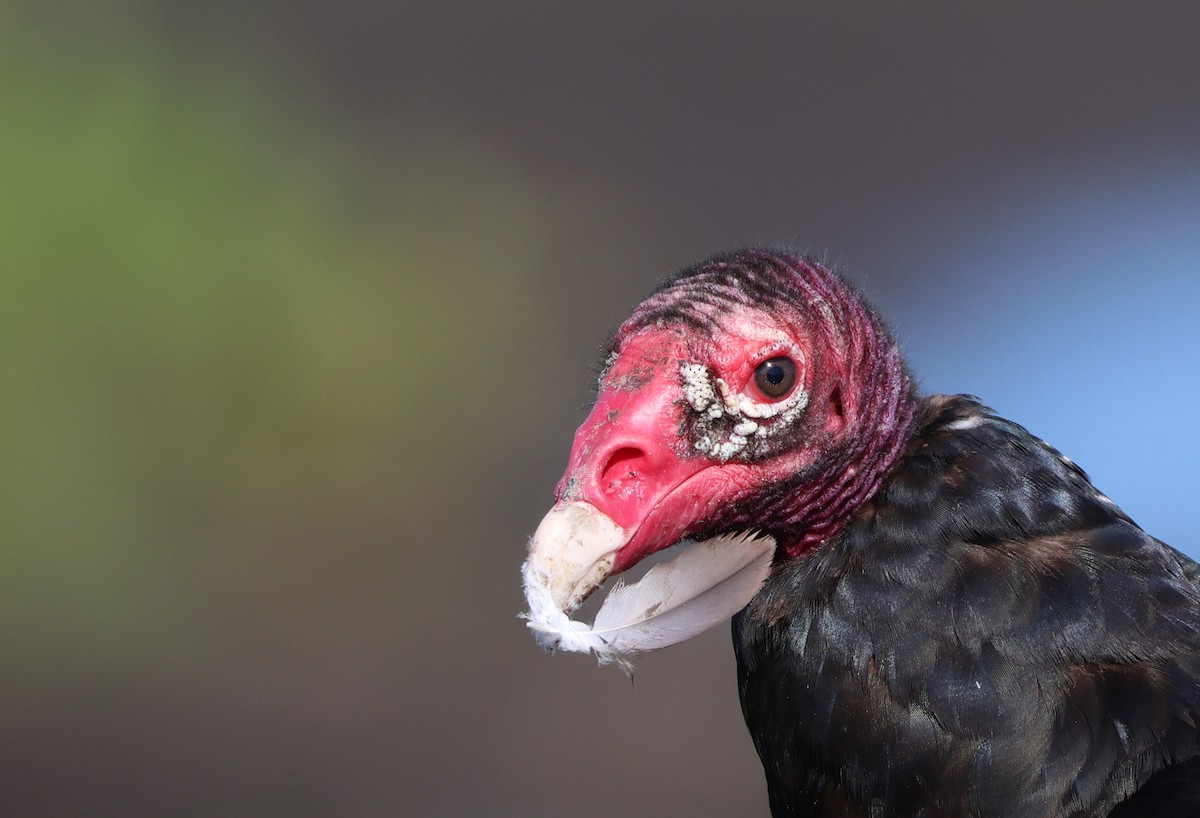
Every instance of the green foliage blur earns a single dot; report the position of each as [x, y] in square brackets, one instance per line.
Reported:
[224, 324]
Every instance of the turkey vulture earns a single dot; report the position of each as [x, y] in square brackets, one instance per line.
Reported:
[956, 621]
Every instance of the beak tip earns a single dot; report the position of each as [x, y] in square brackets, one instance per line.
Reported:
[572, 553]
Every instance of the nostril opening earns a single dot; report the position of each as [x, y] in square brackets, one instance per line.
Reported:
[623, 464]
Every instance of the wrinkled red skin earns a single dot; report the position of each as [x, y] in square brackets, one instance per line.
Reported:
[630, 458]
[645, 456]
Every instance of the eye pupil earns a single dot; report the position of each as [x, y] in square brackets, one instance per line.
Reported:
[775, 378]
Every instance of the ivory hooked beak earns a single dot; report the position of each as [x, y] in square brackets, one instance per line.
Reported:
[571, 554]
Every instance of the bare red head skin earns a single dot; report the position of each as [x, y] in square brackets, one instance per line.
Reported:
[683, 441]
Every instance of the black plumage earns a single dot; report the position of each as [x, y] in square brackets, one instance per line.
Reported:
[989, 636]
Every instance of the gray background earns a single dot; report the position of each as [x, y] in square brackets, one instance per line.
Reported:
[268, 496]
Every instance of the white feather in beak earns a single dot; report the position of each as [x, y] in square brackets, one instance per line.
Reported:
[572, 553]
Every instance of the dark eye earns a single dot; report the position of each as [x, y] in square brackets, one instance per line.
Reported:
[775, 378]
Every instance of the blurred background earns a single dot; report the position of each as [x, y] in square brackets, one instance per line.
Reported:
[298, 303]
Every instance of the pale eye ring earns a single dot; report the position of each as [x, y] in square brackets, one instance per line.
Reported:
[775, 378]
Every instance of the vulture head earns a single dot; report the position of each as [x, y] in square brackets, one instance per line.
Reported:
[752, 391]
